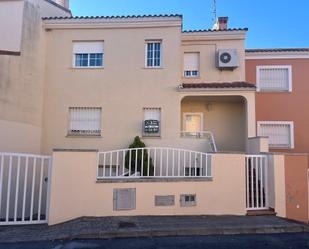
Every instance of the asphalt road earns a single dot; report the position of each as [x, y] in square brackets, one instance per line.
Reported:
[265, 241]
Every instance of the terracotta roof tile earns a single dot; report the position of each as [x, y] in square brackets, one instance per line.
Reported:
[109, 17]
[214, 30]
[217, 85]
[261, 50]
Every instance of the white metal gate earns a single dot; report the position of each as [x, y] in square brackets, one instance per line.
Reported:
[24, 188]
[256, 182]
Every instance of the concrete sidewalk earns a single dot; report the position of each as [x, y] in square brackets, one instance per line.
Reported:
[144, 226]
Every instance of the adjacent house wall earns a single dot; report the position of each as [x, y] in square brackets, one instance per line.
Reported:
[285, 106]
[296, 184]
[11, 18]
[48, 9]
[21, 82]
[96, 199]
[276, 184]
[22, 69]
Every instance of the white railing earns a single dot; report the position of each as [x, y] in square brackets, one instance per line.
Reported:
[153, 163]
[24, 186]
[256, 182]
[208, 135]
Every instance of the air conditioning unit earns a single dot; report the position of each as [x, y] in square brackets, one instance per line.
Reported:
[227, 59]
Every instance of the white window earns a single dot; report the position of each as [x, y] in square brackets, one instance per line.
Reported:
[152, 122]
[88, 54]
[191, 64]
[280, 133]
[188, 200]
[274, 78]
[153, 53]
[85, 121]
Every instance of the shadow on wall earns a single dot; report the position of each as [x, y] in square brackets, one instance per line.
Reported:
[224, 116]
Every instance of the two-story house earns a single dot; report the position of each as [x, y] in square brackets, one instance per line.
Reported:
[80, 89]
[106, 76]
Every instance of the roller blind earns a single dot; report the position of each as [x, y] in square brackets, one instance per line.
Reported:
[88, 47]
[152, 113]
[85, 120]
[274, 78]
[279, 134]
[191, 61]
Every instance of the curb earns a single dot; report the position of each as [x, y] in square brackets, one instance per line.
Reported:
[188, 232]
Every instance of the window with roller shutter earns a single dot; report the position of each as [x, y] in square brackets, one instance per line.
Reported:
[85, 121]
[191, 65]
[276, 78]
[279, 133]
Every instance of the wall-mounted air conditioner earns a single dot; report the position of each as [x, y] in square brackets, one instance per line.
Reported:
[227, 59]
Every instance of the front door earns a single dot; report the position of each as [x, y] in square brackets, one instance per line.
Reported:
[193, 122]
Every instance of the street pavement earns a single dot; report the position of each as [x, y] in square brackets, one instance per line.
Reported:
[254, 241]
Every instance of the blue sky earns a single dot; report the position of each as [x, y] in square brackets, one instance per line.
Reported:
[271, 23]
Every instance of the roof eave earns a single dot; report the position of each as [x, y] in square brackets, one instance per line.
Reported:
[239, 34]
[112, 22]
[235, 89]
[277, 54]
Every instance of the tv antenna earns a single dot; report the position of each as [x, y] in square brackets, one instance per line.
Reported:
[214, 11]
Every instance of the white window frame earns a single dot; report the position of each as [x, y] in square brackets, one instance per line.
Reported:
[290, 123]
[81, 67]
[191, 75]
[72, 134]
[161, 53]
[258, 68]
[198, 69]
[185, 114]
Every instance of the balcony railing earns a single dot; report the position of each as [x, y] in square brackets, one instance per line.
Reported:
[153, 163]
[207, 135]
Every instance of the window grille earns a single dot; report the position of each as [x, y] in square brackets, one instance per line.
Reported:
[85, 121]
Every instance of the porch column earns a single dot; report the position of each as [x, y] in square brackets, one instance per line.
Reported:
[250, 113]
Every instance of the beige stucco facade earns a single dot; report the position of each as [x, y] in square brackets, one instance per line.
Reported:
[96, 199]
[125, 86]
[207, 45]
[22, 73]
[41, 83]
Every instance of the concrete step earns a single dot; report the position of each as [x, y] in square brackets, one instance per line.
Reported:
[269, 211]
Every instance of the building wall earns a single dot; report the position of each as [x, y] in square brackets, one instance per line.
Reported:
[50, 10]
[123, 88]
[21, 84]
[296, 185]
[285, 106]
[213, 197]
[225, 119]
[207, 46]
[11, 17]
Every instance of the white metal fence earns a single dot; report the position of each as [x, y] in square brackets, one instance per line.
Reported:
[24, 187]
[153, 163]
[256, 182]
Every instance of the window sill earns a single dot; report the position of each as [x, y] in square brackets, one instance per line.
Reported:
[153, 67]
[86, 67]
[191, 77]
[274, 91]
[280, 148]
[155, 136]
[82, 136]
